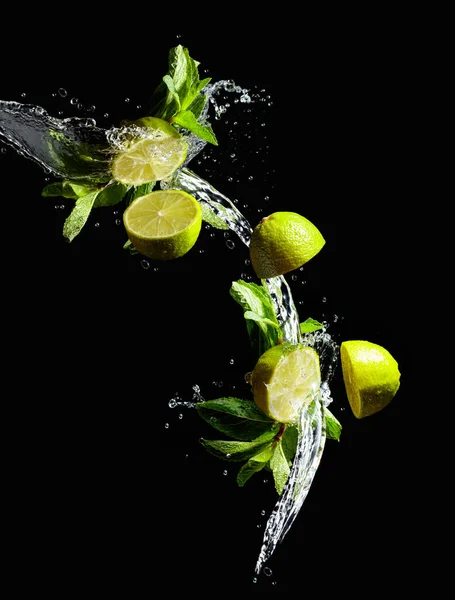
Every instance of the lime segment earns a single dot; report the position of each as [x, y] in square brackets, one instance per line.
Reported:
[284, 378]
[163, 225]
[153, 157]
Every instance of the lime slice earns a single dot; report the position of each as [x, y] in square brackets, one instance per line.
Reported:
[282, 242]
[371, 376]
[153, 157]
[164, 224]
[284, 378]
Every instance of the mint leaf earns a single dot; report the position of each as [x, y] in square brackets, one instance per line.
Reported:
[186, 119]
[66, 189]
[234, 451]
[198, 105]
[310, 325]
[254, 465]
[280, 468]
[110, 195]
[239, 419]
[79, 215]
[180, 86]
[138, 191]
[211, 218]
[289, 442]
[255, 299]
[333, 426]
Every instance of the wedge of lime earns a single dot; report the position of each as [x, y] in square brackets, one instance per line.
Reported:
[152, 157]
[284, 378]
[371, 376]
[163, 225]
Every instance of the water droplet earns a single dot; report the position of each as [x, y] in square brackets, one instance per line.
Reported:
[178, 36]
[144, 263]
[201, 251]
[247, 262]
[301, 269]
[166, 426]
[255, 579]
[262, 512]
[106, 115]
[273, 582]
[60, 113]
[54, 95]
[201, 439]
[172, 403]
[74, 101]
[259, 526]
[23, 95]
[92, 107]
[267, 571]
[80, 106]
[247, 377]
[342, 408]
[118, 221]
[225, 472]
[127, 100]
[294, 277]
[138, 106]
[228, 455]
[230, 244]
[180, 416]
[265, 481]
[231, 362]
[266, 198]
[324, 299]
[156, 269]
[3, 150]
[62, 92]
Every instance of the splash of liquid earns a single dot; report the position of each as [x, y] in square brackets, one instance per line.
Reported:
[77, 149]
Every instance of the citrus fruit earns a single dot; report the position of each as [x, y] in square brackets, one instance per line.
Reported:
[164, 224]
[152, 157]
[285, 377]
[282, 242]
[371, 376]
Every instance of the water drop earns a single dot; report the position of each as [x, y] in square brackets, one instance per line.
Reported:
[172, 403]
[225, 472]
[106, 115]
[201, 251]
[262, 512]
[267, 571]
[228, 455]
[324, 299]
[180, 416]
[138, 106]
[53, 95]
[231, 362]
[74, 101]
[127, 100]
[23, 95]
[266, 198]
[3, 150]
[294, 277]
[166, 426]
[201, 439]
[259, 526]
[273, 582]
[255, 579]
[342, 408]
[92, 107]
[265, 481]
[144, 263]
[156, 269]
[62, 92]
[247, 377]
[247, 262]
[60, 113]
[230, 244]
[118, 221]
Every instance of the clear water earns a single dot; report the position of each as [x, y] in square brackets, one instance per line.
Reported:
[77, 149]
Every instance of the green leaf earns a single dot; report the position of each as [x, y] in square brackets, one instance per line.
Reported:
[211, 218]
[333, 426]
[79, 215]
[66, 189]
[310, 325]
[234, 451]
[198, 105]
[169, 82]
[256, 299]
[239, 419]
[280, 468]
[289, 442]
[110, 195]
[129, 246]
[139, 191]
[254, 465]
[187, 120]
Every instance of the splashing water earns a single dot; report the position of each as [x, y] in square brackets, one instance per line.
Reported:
[77, 149]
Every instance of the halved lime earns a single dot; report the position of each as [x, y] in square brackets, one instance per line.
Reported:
[153, 157]
[282, 242]
[284, 378]
[371, 376]
[164, 224]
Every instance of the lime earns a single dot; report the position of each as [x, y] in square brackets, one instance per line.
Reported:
[284, 378]
[371, 376]
[282, 242]
[153, 157]
[164, 224]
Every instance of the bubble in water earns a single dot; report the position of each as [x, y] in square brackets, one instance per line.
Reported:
[172, 403]
[106, 115]
[267, 571]
[144, 263]
[180, 416]
[127, 100]
[166, 426]
[324, 299]
[119, 222]
[3, 150]
[294, 277]
[80, 106]
[230, 244]
[74, 101]
[231, 361]
[255, 579]
[262, 512]
[225, 472]
[259, 526]
[62, 92]
[23, 95]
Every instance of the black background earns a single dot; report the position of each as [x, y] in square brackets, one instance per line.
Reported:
[105, 496]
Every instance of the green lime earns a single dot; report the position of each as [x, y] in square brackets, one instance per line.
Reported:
[164, 224]
[371, 376]
[284, 378]
[282, 242]
[153, 157]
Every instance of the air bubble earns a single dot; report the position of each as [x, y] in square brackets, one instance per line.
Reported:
[118, 221]
[230, 244]
[106, 115]
[324, 299]
[267, 571]
[62, 92]
[231, 362]
[259, 526]
[180, 416]
[3, 150]
[144, 263]
[225, 472]
[23, 95]
[74, 101]
[294, 277]
[172, 403]
[255, 579]
[127, 100]
[166, 426]
[262, 512]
